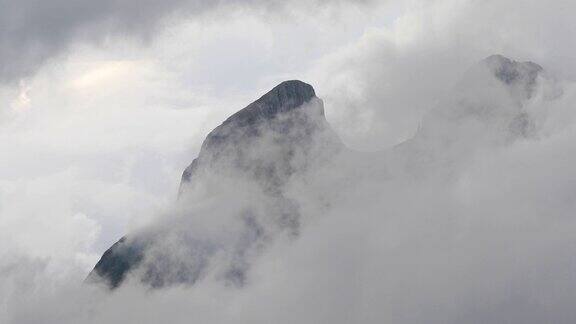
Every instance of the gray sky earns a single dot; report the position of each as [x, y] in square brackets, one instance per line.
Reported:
[104, 103]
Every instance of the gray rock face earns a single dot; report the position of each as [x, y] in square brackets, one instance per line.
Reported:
[282, 134]
[513, 72]
[262, 139]
[116, 262]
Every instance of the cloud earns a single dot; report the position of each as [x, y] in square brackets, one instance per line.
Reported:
[96, 143]
[379, 86]
[35, 32]
[492, 244]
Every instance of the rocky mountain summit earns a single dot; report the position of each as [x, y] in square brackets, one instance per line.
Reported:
[282, 134]
[270, 139]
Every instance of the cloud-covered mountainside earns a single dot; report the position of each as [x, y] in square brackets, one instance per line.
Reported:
[470, 220]
[282, 135]
[492, 105]
[273, 166]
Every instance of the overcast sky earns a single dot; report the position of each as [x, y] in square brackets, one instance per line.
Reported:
[104, 103]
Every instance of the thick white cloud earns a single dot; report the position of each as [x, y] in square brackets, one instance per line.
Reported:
[94, 144]
[380, 85]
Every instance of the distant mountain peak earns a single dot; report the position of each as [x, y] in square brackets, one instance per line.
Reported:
[510, 71]
[488, 106]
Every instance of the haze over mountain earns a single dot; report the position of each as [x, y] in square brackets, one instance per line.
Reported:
[248, 165]
[491, 106]
[413, 178]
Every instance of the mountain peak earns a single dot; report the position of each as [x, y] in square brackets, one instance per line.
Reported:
[292, 88]
[510, 71]
[290, 113]
[282, 134]
[284, 97]
[287, 91]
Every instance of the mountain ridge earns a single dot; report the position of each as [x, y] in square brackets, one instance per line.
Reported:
[285, 133]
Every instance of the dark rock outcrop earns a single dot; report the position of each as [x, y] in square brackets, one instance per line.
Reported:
[116, 262]
[513, 72]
